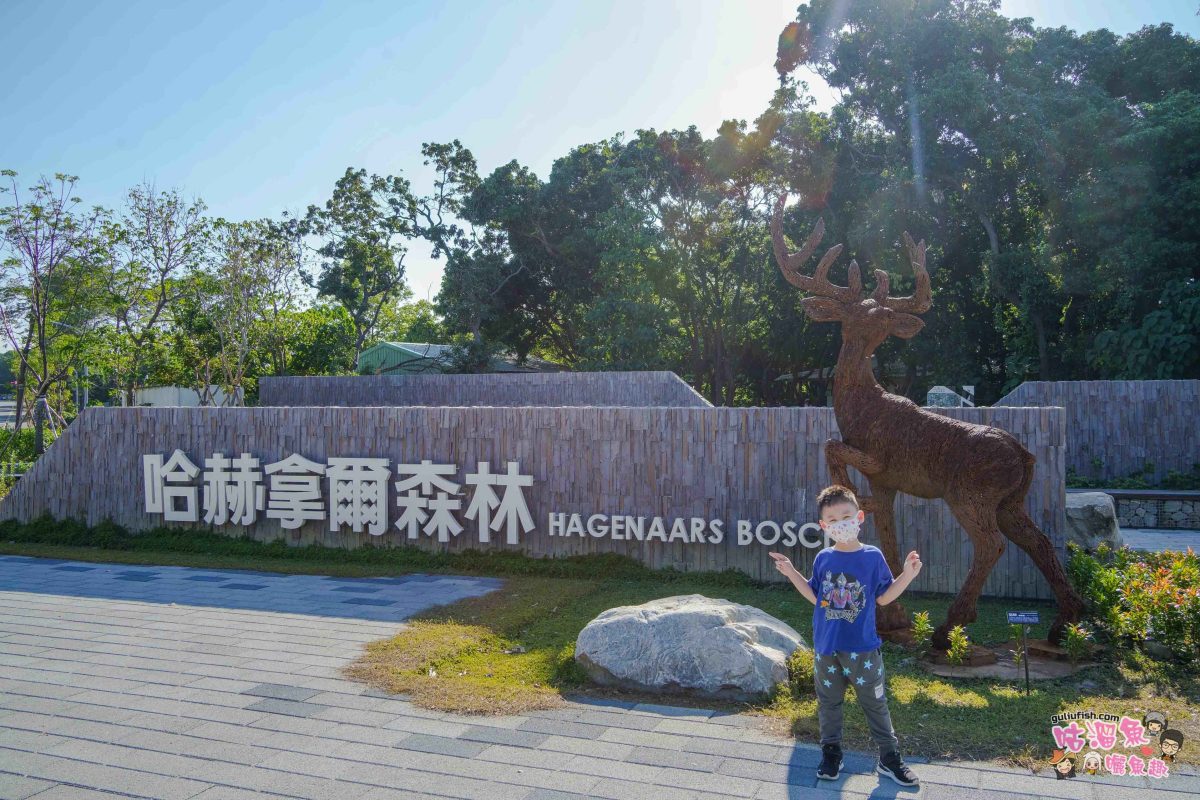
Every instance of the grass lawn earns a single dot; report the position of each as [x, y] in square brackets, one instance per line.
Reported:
[512, 650]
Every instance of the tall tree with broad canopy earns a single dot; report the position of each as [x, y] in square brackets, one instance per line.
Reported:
[362, 228]
[48, 292]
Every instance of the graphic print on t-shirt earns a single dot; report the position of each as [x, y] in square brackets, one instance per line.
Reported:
[841, 596]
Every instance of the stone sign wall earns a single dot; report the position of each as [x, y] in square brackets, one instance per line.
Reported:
[690, 488]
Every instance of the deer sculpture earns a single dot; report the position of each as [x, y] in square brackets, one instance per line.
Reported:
[983, 473]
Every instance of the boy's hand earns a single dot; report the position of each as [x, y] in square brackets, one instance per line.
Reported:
[783, 564]
[912, 564]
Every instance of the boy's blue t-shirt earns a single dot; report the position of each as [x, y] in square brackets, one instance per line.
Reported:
[846, 586]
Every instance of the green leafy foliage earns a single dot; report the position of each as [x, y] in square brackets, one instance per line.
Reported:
[1077, 642]
[800, 673]
[960, 645]
[1134, 596]
[1142, 479]
[922, 632]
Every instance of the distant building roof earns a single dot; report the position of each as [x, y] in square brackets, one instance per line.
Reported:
[436, 356]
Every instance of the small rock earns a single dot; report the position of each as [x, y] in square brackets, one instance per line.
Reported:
[514, 650]
[1089, 685]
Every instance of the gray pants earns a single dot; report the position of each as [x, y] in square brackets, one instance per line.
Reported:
[864, 671]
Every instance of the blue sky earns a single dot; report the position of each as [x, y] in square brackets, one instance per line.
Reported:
[258, 107]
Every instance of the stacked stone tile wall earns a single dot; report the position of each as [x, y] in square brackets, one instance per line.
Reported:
[1115, 428]
[649, 388]
[680, 464]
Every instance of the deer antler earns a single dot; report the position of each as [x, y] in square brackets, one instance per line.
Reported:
[818, 283]
[921, 298]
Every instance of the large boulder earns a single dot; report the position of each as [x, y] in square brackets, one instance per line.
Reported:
[689, 644]
[1092, 519]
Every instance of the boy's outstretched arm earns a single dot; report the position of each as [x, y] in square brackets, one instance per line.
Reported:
[784, 565]
[912, 566]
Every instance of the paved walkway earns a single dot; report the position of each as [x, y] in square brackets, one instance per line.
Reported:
[1159, 539]
[221, 685]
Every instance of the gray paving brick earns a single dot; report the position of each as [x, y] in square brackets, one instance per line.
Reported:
[645, 738]
[441, 744]
[562, 728]
[18, 787]
[63, 792]
[676, 759]
[307, 726]
[227, 793]
[439, 784]
[617, 789]
[790, 792]
[607, 768]
[36, 741]
[517, 738]
[734, 749]
[713, 783]
[279, 692]
[353, 716]
[308, 764]
[357, 733]
[62, 770]
[617, 751]
[380, 793]
[524, 756]
[616, 718]
[1065, 788]
[290, 708]
[434, 727]
[948, 776]
[497, 773]
[675, 711]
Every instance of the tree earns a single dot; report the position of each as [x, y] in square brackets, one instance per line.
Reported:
[415, 321]
[321, 341]
[48, 249]
[157, 240]
[999, 124]
[363, 226]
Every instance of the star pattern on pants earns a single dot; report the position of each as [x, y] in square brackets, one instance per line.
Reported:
[854, 656]
[859, 680]
[827, 683]
[867, 664]
[846, 671]
[832, 668]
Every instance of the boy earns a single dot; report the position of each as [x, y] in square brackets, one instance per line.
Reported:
[846, 648]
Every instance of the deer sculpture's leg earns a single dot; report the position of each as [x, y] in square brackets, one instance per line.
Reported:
[1022, 530]
[987, 542]
[839, 455]
[893, 617]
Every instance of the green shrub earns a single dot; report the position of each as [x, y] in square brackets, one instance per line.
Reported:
[1133, 596]
[1077, 642]
[800, 673]
[1017, 654]
[1138, 479]
[23, 444]
[922, 632]
[960, 645]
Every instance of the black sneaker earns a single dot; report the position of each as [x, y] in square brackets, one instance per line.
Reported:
[894, 767]
[831, 762]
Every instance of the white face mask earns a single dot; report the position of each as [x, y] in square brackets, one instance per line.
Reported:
[843, 531]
